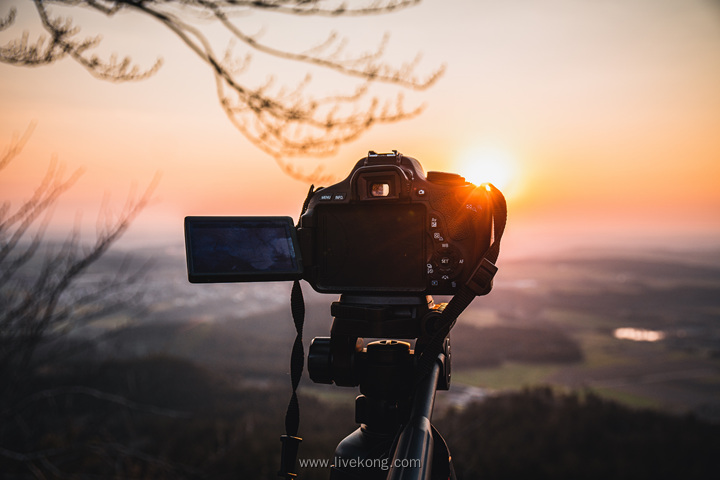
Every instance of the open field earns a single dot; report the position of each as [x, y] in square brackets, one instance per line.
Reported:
[548, 321]
[668, 353]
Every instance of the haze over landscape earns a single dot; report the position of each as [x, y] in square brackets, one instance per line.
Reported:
[600, 121]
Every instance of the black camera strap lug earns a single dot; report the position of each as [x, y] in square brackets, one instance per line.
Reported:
[480, 281]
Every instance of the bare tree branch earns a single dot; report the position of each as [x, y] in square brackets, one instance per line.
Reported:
[283, 122]
[61, 43]
[37, 303]
[317, 8]
[16, 145]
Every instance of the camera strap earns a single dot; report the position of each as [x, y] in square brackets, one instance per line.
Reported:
[290, 441]
[479, 283]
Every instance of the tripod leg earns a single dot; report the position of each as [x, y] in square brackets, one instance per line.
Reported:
[442, 460]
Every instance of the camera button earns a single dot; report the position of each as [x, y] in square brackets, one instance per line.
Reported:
[447, 261]
[338, 197]
[326, 197]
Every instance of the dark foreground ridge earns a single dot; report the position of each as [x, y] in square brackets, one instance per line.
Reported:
[160, 417]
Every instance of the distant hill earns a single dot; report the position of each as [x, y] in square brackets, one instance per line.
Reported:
[555, 315]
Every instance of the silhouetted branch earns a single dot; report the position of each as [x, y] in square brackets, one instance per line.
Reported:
[61, 42]
[281, 121]
[316, 8]
[36, 301]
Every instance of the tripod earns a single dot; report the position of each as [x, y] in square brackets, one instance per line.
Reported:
[396, 439]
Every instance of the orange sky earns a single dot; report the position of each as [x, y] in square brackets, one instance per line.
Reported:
[609, 113]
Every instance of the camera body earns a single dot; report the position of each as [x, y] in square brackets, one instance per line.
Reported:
[386, 229]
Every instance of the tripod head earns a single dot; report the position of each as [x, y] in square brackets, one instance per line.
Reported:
[386, 372]
[343, 359]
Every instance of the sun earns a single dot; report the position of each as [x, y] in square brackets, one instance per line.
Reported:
[489, 165]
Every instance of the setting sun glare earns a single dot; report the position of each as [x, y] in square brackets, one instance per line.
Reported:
[490, 165]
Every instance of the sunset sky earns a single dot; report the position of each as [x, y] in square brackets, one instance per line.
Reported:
[600, 120]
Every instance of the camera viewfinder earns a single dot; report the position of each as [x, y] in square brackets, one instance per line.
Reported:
[380, 190]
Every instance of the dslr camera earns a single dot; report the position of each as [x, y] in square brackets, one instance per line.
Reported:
[386, 238]
[386, 229]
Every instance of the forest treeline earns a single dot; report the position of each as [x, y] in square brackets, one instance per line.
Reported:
[167, 418]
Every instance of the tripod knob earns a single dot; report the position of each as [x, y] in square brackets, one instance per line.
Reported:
[320, 360]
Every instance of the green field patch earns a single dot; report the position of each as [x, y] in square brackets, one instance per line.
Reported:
[192, 338]
[628, 399]
[509, 376]
[595, 335]
[335, 395]
[112, 322]
[575, 320]
[603, 350]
